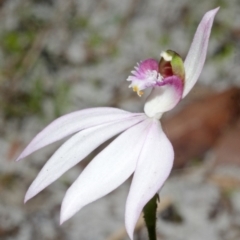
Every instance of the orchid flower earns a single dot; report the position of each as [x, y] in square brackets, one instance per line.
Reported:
[141, 148]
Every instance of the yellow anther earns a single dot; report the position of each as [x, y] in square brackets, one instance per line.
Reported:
[136, 89]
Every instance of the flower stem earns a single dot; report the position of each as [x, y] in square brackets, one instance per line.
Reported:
[150, 217]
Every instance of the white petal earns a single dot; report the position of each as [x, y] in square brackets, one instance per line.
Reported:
[71, 123]
[106, 171]
[197, 53]
[76, 149]
[153, 168]
[164, 98]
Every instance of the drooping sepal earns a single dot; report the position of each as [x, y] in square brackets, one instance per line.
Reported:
[150, 173]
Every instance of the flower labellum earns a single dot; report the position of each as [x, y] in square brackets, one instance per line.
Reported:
[142, 148]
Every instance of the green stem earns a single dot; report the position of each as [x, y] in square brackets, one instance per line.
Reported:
[150, 211]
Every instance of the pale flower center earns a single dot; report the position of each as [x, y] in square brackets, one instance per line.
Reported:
[153, 75]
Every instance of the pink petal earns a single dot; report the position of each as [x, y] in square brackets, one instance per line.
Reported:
[71, 123]
[153, 168]
[164, 97]
[76, 149]
[106, 171]
[197, 53]
[144, 76]
[143, 67]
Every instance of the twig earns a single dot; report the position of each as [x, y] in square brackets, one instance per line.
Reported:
[224, 182]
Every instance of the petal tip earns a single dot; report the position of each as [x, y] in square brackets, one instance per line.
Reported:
[130, 234]
[62, 220]
[213, 12]
[130, 223]
[29, 194]
[21, 156]
[18, 159]
[64, 215]
[26, 198]
[216, 9]
[66, 209]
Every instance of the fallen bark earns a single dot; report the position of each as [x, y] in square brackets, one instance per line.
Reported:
[199, 126]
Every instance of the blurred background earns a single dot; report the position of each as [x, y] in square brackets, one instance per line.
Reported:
[57, 56]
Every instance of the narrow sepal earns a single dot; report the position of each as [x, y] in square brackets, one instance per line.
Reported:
[153, 168]
[71, 123]
[197, 53]
[108, 170]
[75, 150]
